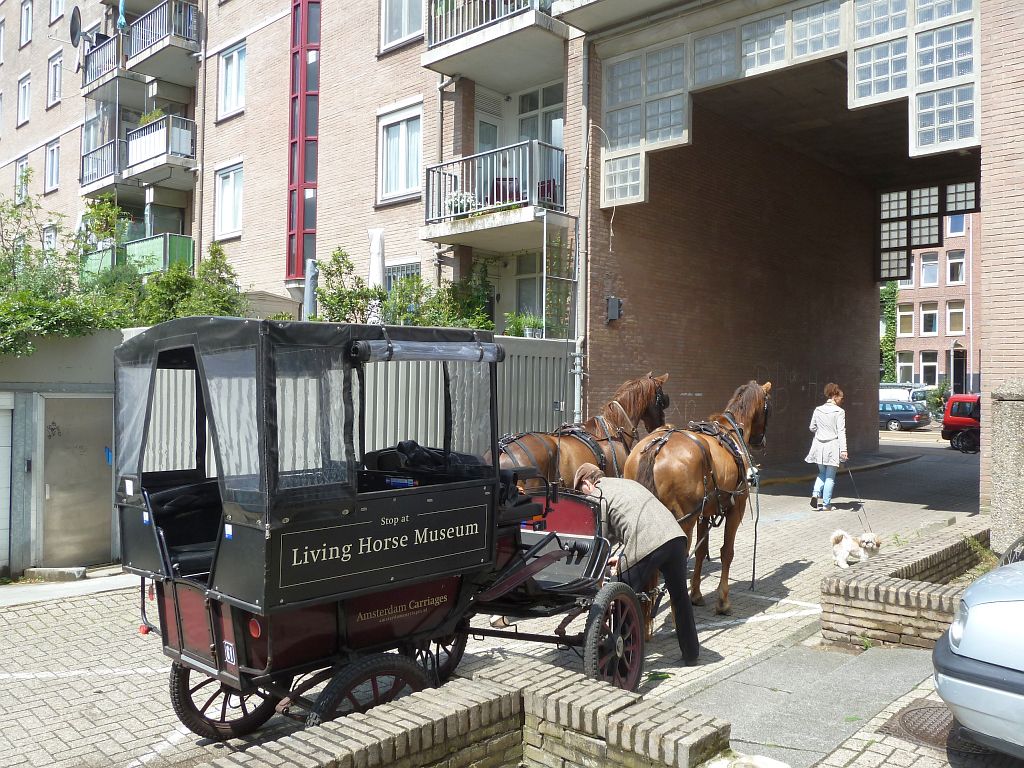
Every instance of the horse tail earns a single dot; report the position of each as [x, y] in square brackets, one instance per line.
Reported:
[645, 471]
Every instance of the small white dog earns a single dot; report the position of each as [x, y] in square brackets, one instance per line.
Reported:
[864, 546]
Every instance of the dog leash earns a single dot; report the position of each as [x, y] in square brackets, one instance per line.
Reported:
[862, 509]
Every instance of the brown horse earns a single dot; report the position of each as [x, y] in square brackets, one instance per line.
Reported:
[702, 473]
[604, 439]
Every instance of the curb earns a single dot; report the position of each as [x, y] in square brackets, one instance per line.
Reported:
[55, 574]
[863, 468]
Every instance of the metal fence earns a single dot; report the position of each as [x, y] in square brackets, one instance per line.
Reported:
[450, 19]
[527, 173]
[173, 17]
[170, 135]
[101, 59]
[105, 160]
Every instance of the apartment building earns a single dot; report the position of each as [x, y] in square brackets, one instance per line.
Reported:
[938, 311]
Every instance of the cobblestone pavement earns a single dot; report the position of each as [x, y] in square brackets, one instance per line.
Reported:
[83, 688]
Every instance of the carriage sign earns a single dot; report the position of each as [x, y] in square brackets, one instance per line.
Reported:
[418, 535]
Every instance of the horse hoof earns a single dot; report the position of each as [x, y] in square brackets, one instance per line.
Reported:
[699, 600]
[723, 610]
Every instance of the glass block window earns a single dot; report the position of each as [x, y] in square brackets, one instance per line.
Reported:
[893, 265]
[665, 70]
[714, 57]
[945, 53]
[623, 128]
[894, 234]
[894, 205]
[396, 272]
[763, 42]
[665, 118]
[622, 178]
[624, 82]
[933, 10]
[924, 232]
[961, 197]
[881, 69]
[924, 201]
[879, 17]
[945, 116]
[646, 98]
[816, 28]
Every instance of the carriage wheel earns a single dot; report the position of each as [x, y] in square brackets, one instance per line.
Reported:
[374, 680]
[211, 709]
[613, 643]
[444, 654]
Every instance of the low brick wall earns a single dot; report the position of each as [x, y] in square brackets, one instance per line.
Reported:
[901, 597]
[518, 712]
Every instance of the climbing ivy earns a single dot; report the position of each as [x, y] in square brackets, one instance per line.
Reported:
[887, 344]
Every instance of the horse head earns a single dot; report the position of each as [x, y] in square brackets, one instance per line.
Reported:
[653, 415]
[759, 418]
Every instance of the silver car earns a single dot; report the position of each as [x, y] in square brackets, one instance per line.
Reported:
[979, 660]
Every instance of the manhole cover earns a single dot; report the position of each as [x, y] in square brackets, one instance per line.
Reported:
[930, 724]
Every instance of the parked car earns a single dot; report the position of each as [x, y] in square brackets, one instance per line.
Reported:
[896, 415]
[979, 667]
[962, 412]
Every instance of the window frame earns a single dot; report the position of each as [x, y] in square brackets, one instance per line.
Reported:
[401, 270]
[385, 120]
[385, 44]
[901, 313]
[58, 58]
[24, 40]
[962, 261]
[909, 366]
[932, 257]
[3, 34]
[237, 107]
[238, 200]
[950, 232]
[26, 79]
[50, 230]
[950, 311]
[934, 366]
[929, 308]
[52, 152]
[59, 4]
[909, 282]
[20, 189]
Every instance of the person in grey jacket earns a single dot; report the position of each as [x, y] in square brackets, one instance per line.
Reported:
[828, 448]
[651, 540]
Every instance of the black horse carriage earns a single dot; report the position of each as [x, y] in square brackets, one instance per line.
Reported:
[316, 508]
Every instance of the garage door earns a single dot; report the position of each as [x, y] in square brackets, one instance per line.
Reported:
[6, 413]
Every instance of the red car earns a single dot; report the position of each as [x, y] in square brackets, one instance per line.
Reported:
[962, 412]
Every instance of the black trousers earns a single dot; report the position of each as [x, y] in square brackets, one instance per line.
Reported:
[670, 560]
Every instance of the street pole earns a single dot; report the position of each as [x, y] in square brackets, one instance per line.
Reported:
[309, 290]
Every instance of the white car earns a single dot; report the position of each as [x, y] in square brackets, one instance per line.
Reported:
[979, 660]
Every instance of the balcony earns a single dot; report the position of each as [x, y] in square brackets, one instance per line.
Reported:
[106, 78]
[501, 44]
[103, 172]
[596, 15]
[150, 254]
[162, 43]
[496, 200]
[163, 152]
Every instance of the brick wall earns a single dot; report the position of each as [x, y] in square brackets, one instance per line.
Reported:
[748, 261]
[902, 597]
[1002, 167]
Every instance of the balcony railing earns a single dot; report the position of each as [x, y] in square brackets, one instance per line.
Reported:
[101, 59]
[453, 18]
[170, 135]
[173, 17]
[150, 254]
[528, 173]
[105, 160]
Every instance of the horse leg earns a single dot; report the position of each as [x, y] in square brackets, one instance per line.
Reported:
[732, 523]
[699, 556]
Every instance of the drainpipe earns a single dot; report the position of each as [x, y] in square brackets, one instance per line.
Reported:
[443, 82]
[201, 141]
[970, 300]
[582, 248]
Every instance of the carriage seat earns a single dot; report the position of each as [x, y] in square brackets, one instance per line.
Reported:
[192, 559]
[515, 508]
[188, 518]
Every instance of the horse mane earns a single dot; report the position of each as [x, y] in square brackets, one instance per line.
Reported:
[634, 396]
[744, 401]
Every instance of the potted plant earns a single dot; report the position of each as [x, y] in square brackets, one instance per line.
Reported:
[515, 324]
[150, 117]
[459, 203]
[534, 326]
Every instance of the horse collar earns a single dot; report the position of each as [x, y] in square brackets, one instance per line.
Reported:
[629, 421]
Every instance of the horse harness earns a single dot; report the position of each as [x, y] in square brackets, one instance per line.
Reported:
[732, 443]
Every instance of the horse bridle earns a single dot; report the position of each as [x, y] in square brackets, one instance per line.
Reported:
[766, 408]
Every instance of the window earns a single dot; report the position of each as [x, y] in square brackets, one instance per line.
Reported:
[228, 205]
[955, 318]
[399, 151]
[905, 320]
[56, 10]
[52, 170]
[956, 225]
[881, 69]
[945, 116]
[933, 10]
[645, 99]
[232, 81]
[905, 367]
[908, 281]
[26, 22]
[945, 53]
[955, 268]
[879, 17]
[528, 283]
[929, 368]
[49, 238]
[402, 20]
[714, 57]
[54, 72]
[393, 273]
[763, 42]
[24, 99]
[929, 269]
[20, 179]
[3, 29]
[930, 319]
[816, 28]
[542, 114]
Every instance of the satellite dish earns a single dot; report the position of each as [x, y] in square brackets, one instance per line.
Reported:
[76, 26]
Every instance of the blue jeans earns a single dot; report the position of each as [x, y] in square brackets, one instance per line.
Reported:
[825, 482]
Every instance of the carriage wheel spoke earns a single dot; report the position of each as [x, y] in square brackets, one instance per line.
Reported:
[224, 710]
[210, 701]
[206, 681]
